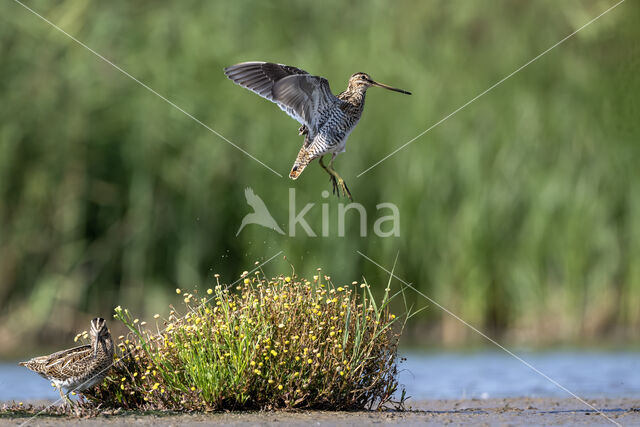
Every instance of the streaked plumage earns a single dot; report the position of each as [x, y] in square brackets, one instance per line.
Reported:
[326, 119]
[78, 368]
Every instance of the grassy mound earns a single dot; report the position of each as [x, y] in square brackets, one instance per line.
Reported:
[278, 343]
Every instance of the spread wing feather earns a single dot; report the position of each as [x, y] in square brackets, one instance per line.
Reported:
[299, 94]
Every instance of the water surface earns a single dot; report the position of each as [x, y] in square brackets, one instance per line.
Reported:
[451, 375]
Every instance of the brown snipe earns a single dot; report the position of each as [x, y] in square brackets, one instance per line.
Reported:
[326, 119]
[78, 368]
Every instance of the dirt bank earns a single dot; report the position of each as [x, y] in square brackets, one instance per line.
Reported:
[518, 411]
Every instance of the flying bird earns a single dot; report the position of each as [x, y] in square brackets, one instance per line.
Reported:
[326, 120]
[77, 368]
[260, 214]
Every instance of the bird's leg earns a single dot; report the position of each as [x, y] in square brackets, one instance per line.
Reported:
[65, 398]
[341, 183]
[332, 178]
[336, 179]
[303, 130]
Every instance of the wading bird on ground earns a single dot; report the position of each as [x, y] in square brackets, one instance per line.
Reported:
[78, 368]
[326, 119]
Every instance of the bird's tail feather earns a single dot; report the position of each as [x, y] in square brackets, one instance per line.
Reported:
[303, 159]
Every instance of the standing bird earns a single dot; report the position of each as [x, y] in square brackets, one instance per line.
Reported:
[326, 119]
[78, 368]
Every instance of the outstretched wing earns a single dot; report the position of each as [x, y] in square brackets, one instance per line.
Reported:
[295, 91]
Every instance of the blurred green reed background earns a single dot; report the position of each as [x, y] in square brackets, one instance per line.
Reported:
[521, 213]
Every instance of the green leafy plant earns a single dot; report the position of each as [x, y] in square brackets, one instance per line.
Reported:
[279, 343]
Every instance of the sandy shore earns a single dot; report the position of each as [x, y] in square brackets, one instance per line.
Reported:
[518, 411]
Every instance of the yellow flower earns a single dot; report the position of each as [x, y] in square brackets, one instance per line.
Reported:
[256, 371]
[121, 386]
[342, 373]
[247, 281]
[273, 352]
[280, 387]
[155, 386]
[193, 389]
[309, 361]
[332, 333]
[393, 316]
[340, 289]
[178, 291]
[287, 279]
[270, 381]
[297, 358]
[209, 291]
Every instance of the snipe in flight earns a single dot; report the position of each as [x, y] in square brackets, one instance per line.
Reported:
[326, 119]
[78, 368]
